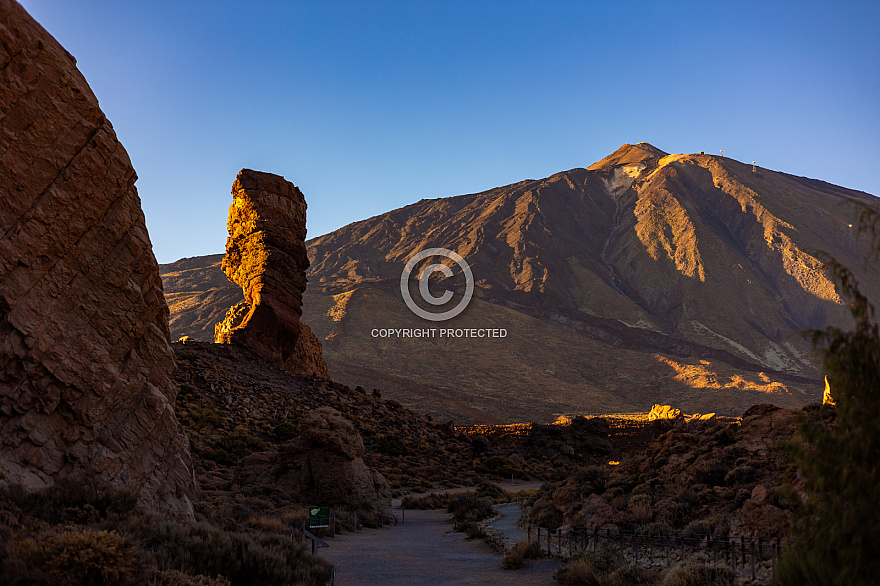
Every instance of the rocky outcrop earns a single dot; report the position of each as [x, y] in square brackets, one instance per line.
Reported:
[308, 356]
[266, 255]
[86, 369]
[324, 465]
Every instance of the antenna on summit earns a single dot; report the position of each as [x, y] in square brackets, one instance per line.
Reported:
[754, 169]
[722, 152]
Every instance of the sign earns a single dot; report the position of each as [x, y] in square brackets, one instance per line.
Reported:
[319, 517]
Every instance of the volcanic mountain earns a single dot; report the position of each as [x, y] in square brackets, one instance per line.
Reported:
[645, 278]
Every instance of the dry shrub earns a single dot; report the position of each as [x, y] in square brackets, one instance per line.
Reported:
[640, 507]
[697, 574]
[76, 556]
[522, 551]
[580, 571]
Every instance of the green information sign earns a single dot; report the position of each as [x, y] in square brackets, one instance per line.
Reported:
[319, 517]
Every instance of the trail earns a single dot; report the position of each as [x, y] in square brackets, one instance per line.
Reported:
[424, 551]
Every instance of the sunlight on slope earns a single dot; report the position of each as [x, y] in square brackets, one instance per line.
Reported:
[699, 376]
[337, 311]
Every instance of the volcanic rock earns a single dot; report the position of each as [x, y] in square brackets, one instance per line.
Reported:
[86, 369]
[324, 465]
[266, 255]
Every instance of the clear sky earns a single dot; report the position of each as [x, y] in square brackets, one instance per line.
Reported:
[369, 106]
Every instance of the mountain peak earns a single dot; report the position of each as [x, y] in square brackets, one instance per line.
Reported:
[629, 154]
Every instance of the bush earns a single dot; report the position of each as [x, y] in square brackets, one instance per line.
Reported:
[522, 551]
[75, 499]
[286, 431]
[498, 466]
[469, 508]
[696, 574]
[246, 559]
[640, 507]
[76, 556]
[580, 571]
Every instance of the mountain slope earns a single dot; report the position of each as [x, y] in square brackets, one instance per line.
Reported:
[646, 278]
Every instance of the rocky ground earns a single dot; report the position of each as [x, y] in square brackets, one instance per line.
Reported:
[723, 478]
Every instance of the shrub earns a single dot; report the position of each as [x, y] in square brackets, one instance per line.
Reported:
[73, 499]
[498, 466]
[76, 556]
[469, 508]
[631, 574]
[697, 574]
[522, 551]
[246, 559]
[580, 571]
[286, 431]
[640, 507]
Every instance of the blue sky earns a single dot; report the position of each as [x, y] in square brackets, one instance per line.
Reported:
[369, 106]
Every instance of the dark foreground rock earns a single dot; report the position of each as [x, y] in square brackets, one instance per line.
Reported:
[86, 369]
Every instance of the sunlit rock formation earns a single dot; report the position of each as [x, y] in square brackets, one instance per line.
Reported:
[266, 255]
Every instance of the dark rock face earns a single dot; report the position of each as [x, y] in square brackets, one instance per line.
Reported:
[266, 255]
[86, 369]
[323, 465]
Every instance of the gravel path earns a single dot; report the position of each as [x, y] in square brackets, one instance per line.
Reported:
[421, 552]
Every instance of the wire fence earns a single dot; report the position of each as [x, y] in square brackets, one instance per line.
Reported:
[742, 554]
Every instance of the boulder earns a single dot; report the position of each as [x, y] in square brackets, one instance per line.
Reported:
[266, 255]
[664, 412]
[323, 466]
[86, 368]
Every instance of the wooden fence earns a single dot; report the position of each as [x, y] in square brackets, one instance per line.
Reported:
[742, 554]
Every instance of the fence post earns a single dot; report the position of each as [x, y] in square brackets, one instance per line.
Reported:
[651, 547]
[620, 541]
[636, 545]
[595, 538]
[549, 533]
[333, 524]
[683, 552]
[742, 547]
[666, 539]
[753, 559]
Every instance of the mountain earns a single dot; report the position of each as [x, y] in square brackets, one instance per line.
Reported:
[646, 278]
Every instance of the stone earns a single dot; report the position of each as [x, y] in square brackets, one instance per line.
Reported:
[266, 255]
[664, 412]
[323, 466]
[86, 367]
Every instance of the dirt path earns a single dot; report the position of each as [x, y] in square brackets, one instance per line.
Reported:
[423, 551]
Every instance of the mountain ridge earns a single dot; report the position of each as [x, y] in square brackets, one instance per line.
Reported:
[667, 259]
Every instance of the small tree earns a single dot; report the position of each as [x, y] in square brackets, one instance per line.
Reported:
[837, 533]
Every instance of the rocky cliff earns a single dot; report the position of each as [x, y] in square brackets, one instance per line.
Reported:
[86, 370]
[266, 255]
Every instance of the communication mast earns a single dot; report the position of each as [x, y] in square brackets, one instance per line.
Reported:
[754, 169]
